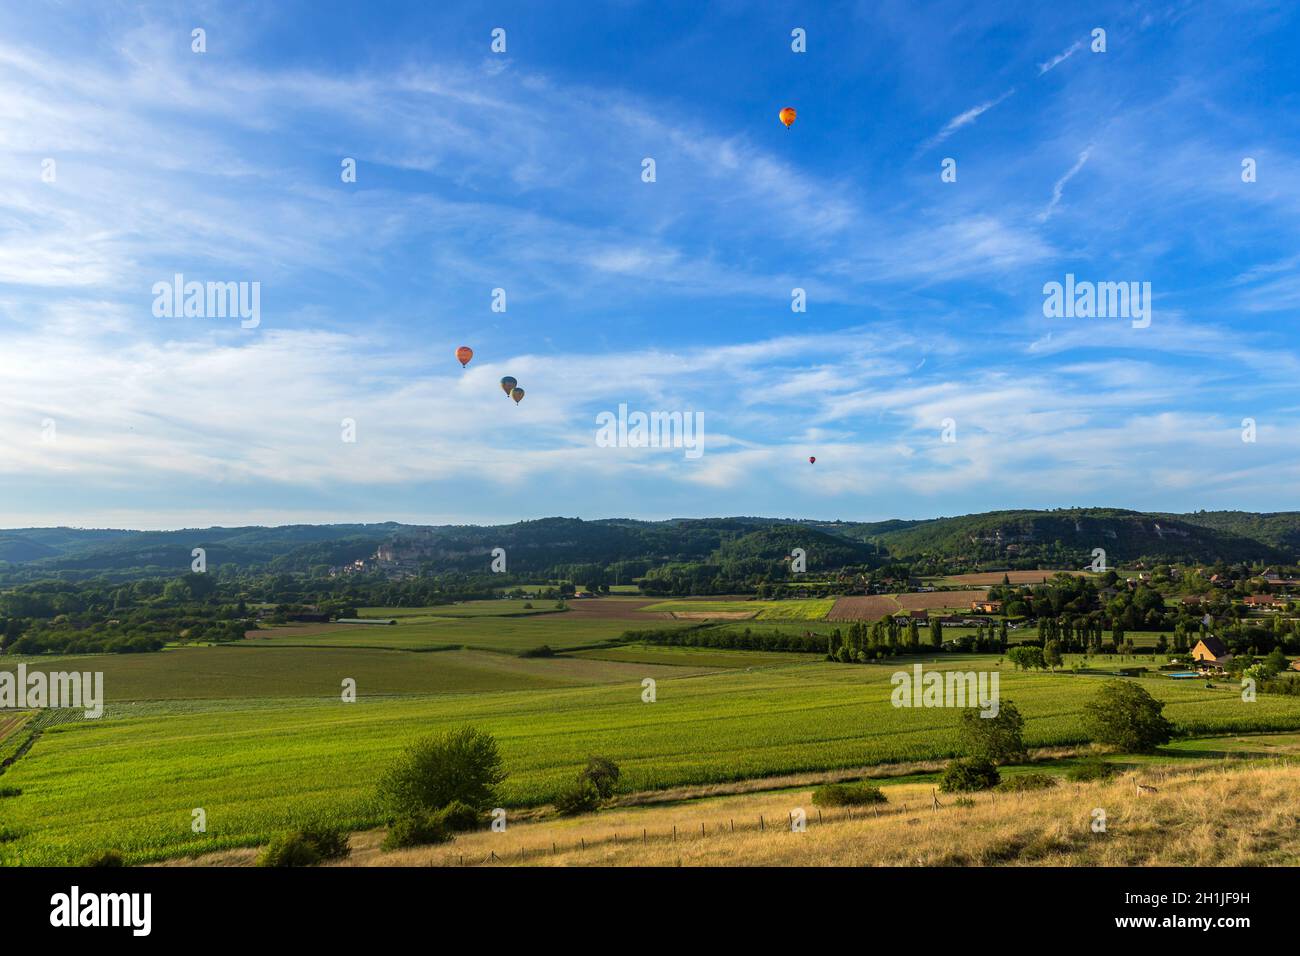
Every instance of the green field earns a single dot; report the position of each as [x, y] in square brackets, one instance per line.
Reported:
[814, 609]
[130, 781]
[463, 609]
[232, 672]
[691, 656]
[484, 632]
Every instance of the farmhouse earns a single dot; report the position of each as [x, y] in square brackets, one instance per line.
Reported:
[1212, 651]
[986, 607]
[1265, 600]
[914, 614]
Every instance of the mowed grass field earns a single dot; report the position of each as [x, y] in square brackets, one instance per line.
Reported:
[691, 656]
[430, 629]
[812, 609]
[257, 767]
[235, 672]
[462, 609]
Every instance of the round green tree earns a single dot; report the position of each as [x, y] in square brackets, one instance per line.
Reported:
[1124, 715]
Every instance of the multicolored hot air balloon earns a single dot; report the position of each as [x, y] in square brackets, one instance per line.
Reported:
[517, 394]
[508, 383]
[464, 354]
[812, 460]
[787, 116]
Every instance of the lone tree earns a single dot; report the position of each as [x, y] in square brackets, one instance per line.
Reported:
[996, 739]
[461, 765]
[602, 773]
[1126, 716]
[1027, 657]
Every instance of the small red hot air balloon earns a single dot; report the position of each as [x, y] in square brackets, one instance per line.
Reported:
[787, 116]
[517, 394]
[812, 459]
[464, 354]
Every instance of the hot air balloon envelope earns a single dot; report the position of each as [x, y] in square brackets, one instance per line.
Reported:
[517, 394]
[812, 460]
[464, 354]
[787, 116]
[507, 384]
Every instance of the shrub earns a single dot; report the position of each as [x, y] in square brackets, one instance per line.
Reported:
[8, 833]
[1092, 769]
[289, 849]
[417, 829]
[847, 795]
[461, 765]
[104, 858]
[579, 797]
[459, 816]
[973, 773]
[330, 842]
[11, 791]
[1126, 716]
[305, 847]
[1024, 782]
[544, 650]
[603, 774]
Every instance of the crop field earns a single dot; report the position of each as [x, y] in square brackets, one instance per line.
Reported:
[813, 609]
[500, 608]
[872, 607]
[987, 578]
[191, 673]
[690, 656]
[482, 632]
[130, 782]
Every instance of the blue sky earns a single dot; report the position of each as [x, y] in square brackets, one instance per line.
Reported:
[522, 171]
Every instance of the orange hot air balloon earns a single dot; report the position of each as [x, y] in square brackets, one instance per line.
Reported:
[812, 460]
[464, 354]
[508, 383]
[517, 394]
[787, 116]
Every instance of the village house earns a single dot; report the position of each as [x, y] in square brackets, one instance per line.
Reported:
[986, 607]
[1211, 655]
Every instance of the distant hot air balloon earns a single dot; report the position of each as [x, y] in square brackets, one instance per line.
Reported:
[507, 384]
[787, 116]
[812, 460]
[517, 394]
[464, 354]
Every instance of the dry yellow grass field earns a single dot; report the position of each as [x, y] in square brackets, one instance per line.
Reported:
[1229, 814]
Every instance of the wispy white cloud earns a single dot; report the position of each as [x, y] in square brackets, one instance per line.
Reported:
[962, 120]
[1059, 189]
[1064, 55]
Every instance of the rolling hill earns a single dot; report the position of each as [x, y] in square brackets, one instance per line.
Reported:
[1027, 539]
